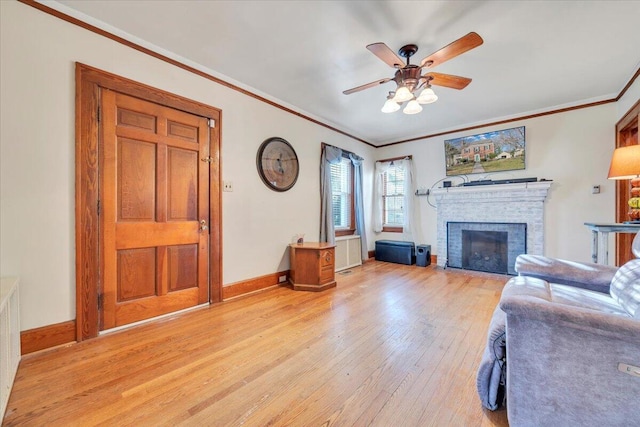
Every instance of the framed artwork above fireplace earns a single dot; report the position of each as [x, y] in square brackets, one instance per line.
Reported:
[489, 152]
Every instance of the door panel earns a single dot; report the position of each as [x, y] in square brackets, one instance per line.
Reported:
[183, 271]
[182, 130]
[137, 119]
[155, 192]
[136, 180]
[136, 273]
[182, 185]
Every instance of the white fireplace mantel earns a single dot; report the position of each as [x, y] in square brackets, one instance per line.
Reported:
[503, 203]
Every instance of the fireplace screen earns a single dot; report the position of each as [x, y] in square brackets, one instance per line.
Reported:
[490, 247]
[484, 251]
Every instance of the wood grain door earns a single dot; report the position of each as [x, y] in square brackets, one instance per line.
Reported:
[154, 194]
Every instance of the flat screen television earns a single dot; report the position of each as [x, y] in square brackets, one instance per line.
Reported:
[497, 151]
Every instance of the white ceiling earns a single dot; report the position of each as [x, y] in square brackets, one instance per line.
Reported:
[537, 55]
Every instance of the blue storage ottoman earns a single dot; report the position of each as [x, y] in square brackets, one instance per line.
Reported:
[396, 251]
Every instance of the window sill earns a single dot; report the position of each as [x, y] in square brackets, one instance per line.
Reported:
[345, 232]
[390, 229]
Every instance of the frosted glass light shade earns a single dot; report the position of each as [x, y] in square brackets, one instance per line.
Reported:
[402, 94]
[390, 106]
[412, 107]
[427, 96]
[625, 163]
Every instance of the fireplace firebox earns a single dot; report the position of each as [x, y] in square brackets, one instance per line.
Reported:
[489, 247]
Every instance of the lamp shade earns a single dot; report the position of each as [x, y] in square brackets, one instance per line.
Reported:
[625, 163]
[390, 106]
[412, 107]
[427, 96]
[402, 94]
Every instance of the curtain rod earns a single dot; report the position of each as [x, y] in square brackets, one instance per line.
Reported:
[324, 144]
[396, 158]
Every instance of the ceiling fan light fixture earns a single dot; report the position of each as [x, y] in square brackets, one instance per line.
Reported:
[402, 94]
[412, 107]
[390, 106]
[409, 78]
[427, 96]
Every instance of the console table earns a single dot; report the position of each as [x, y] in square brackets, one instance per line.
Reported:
[605, 229]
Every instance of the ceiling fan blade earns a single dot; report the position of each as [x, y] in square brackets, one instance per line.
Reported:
[383, 52]
[367, 86]
[447, 80]
[458, 47]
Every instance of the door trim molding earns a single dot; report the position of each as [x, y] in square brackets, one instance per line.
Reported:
[624, 128]
[89, 82]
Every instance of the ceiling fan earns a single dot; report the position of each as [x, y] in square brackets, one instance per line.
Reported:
[408, 76]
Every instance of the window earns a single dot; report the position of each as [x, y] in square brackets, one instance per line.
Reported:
[342, 192]
[393, 199]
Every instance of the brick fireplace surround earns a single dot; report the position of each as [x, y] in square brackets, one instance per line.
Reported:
[501, 203]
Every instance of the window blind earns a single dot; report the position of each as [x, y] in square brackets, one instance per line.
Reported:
[341, 191]
[393, 197]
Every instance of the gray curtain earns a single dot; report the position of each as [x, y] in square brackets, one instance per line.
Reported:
[329, 155]
[359, 203]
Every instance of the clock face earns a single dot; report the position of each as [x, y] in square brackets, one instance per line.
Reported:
[277, 164]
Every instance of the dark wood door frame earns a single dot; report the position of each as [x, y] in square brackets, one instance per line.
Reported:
[89, 82]
[626, 134]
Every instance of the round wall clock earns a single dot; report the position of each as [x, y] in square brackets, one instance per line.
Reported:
[277, 164]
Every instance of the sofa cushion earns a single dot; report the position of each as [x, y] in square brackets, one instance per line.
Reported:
[583, 298]
[563, 296]
[635, 246]
[625, 287]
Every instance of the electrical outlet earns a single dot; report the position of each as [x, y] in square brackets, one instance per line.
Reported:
[282, 278]
[227, 186]
[595, 189]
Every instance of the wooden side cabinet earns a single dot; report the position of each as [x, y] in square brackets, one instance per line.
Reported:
[312, 266]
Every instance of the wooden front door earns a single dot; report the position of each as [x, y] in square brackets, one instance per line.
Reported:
[154, 203]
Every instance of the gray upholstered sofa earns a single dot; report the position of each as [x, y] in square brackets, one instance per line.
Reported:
[572, 354]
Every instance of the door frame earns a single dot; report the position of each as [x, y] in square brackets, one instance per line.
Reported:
[626, 134]
[89, 82]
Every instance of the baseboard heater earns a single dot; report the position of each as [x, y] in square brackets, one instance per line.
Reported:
[396, 251]
[9, 338]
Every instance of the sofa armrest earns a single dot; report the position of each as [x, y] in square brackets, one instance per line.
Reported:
[595, 277]
[562, 360]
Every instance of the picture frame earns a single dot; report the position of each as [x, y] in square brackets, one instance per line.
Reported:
[489, 152]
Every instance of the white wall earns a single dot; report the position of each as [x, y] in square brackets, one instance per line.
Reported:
[573, 149]
[38, 53]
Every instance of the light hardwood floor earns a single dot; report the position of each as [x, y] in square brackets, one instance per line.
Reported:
[391, 345]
